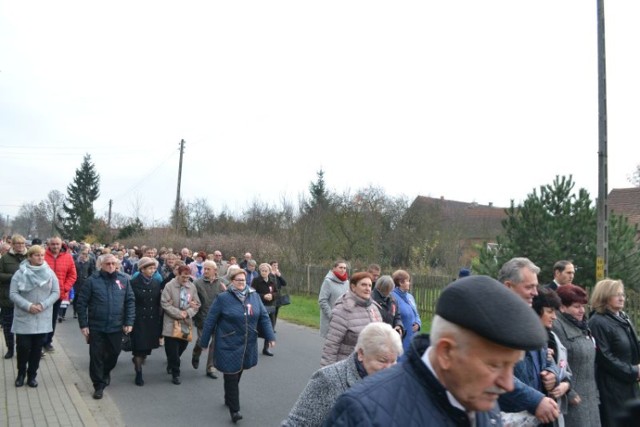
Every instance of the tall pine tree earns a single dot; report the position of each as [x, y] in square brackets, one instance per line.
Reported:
[555, 224]
[78, 215]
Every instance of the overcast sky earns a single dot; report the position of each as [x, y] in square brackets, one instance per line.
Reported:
[469, 100]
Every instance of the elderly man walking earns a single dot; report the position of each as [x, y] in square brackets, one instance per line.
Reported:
[106, 308]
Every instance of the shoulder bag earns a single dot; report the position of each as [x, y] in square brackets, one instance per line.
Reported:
[182, 329]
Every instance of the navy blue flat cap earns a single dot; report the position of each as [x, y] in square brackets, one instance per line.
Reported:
[487, 307]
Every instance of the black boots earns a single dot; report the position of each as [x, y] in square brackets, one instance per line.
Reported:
[235, 416]
[195, 356]
[31, 382]
[98, 393]
[9, 339]
[20, 380]
[266, 350]
[137, 363]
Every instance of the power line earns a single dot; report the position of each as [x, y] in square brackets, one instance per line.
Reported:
[144, 178]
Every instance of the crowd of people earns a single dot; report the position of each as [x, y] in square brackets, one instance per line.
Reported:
[500, 352]
[505, 351]
[141, 297]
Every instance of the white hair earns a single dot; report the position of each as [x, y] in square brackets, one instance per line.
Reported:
[441, 328]
[379, 337]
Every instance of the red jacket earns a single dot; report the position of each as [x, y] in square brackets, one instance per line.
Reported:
[65, 270]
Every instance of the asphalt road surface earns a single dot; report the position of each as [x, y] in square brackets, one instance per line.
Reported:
[267, 391]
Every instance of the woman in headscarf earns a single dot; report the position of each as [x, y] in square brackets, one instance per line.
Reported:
[34, 290]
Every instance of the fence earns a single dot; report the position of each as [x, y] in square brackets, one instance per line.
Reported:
[307, 280]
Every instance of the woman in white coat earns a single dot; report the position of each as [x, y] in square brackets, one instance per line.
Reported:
[34, 289]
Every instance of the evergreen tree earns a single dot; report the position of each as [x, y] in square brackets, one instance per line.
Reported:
[558, 224]
[320, 197]
[78, 215]
[134, 228]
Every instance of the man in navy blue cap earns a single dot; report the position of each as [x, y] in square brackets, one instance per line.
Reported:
[455, 375]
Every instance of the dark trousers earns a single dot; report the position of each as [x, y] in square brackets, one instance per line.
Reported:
[173, 348]
[232, 391]
[7, 322]
[29, 348]
[275, 318]
[197, 351]
[56, 307]
[104, 349]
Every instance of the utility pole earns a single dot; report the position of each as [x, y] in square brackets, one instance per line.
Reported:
[602, 260]
[109, 217]
[177, 211]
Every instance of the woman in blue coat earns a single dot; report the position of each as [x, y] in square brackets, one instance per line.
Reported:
[235, 317]
[406, 306]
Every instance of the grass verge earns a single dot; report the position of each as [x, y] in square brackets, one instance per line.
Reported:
[303, 310]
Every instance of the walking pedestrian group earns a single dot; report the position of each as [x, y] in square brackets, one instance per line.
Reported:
[505, 352]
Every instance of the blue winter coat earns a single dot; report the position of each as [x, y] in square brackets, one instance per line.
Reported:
[409, 313]
[106, 303]
[236, 330]
[404, 395]
[528, 390]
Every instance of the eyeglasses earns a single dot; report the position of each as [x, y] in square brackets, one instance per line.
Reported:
[621, 294]
[239, 280]
[108, 263]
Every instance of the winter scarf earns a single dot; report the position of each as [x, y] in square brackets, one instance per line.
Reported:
[33, 276]
[241, 294]
[342, 276]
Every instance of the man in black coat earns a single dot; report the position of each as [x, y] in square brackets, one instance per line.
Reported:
[106, 309]
[563, 274]
[455, 376]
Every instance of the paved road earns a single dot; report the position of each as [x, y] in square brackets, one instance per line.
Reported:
[267, 391]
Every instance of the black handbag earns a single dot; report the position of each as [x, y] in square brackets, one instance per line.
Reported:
[126, 342]
[283, 299]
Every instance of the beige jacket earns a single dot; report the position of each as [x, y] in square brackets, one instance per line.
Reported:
[170, 302]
